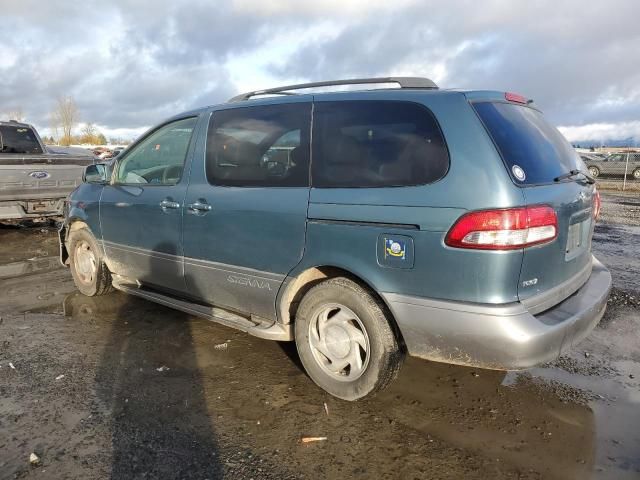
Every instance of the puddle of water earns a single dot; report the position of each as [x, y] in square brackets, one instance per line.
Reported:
[34, 285]
[615, 411]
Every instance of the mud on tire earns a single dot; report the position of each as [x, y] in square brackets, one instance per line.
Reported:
[340, 322]
[89, 272]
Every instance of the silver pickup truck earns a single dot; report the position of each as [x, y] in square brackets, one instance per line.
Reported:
[35, 179]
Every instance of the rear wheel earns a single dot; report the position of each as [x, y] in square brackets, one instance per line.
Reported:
[594, 171]
[636, 174]
[345, 339]
[89, 272]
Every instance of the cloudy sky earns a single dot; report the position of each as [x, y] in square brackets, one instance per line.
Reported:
[128, 64]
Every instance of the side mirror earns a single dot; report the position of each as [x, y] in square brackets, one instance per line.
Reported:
[96, 173]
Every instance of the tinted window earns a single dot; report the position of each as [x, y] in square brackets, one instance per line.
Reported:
[524, 138]
[376, 144]
[18, 139]
[267, 145]
[159, 158]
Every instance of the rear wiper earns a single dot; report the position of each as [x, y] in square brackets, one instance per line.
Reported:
[573, 173]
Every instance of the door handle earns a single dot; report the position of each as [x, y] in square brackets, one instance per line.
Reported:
[199, 207]
[165, 204]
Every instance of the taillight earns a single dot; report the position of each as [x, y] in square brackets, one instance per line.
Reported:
[514, 97]
[596, 204]
[505, 229]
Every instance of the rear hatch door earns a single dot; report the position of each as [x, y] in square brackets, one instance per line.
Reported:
[536, 154]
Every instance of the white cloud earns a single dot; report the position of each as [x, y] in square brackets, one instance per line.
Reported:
[601, 132]
[333, 8]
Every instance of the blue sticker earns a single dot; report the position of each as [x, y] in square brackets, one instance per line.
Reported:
[395, 248]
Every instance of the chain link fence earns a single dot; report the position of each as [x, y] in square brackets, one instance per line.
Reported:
[616, 171]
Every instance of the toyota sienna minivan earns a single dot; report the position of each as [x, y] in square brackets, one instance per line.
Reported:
[453, 226]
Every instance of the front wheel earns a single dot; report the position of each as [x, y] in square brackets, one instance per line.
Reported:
[594, 171]
[345, 339]
[89, 272]
[636, 174]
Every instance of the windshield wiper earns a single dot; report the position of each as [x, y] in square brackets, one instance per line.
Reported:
[573, 173]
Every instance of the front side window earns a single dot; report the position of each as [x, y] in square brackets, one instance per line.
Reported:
[159, 158]
[261, 146]
[18, 139]
[376, 144]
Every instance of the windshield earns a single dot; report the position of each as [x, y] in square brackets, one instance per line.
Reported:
[18, 139]
[534, 151]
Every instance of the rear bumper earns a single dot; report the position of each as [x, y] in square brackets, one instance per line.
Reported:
[23, 209]
[504, 337]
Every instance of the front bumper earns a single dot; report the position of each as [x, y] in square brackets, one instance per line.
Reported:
[62, 244]
[503, 337]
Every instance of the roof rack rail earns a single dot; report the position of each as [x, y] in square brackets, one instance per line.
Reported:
[404, 82]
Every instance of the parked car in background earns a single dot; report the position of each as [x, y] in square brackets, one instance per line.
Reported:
[113, 153]
[614, 165]
[34, 178]
[592, 157]
[451, 225]
[97, 151]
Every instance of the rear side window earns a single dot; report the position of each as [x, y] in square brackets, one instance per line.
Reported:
[376, 144]
[18, 139]
[262, 146]
[533, 150]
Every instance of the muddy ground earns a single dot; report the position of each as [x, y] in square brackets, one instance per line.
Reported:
[118, 387]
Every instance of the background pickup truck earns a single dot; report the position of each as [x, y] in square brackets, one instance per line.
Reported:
[35, 179]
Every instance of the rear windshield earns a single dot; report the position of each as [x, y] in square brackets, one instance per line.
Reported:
[533, 150]
[18, 139]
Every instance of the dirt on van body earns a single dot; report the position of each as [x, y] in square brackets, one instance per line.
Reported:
[117, 387]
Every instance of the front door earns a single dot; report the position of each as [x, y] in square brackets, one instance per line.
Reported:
[246, 210]
[141, 211]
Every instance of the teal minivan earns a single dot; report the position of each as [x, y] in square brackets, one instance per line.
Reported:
[450, 225]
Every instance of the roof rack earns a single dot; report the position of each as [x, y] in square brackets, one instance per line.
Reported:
[404, 82]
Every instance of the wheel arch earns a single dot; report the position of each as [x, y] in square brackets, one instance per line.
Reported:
[72, 224]
[296, 287]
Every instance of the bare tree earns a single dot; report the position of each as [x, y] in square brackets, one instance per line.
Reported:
[89, 133]
[55, 129]
[65, 116]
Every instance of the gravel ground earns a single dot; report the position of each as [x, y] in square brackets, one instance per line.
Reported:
[117, 387]
[621, 209]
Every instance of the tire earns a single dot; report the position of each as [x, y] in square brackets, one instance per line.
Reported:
[636, 174]
[89, 272]
[360, 333]
[594, 171]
